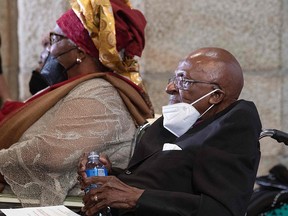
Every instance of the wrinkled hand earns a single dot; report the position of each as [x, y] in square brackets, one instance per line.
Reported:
[113, 193]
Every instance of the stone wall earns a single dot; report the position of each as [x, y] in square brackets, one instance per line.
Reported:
[255, 31]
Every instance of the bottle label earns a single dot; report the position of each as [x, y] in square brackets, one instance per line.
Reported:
[96, 172]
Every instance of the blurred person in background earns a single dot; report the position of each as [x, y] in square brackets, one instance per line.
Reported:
[37, 82]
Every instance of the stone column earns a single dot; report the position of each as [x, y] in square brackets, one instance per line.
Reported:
[9, 49]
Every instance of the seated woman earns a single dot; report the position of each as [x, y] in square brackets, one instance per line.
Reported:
[95, 101]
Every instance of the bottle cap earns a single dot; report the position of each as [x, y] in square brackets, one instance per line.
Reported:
[93, 154]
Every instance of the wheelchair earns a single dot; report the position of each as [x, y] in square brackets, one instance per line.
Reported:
[271, 197]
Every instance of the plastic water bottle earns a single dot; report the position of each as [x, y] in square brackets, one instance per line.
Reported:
[95, 168]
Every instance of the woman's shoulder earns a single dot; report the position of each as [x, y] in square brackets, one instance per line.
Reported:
[93, 88]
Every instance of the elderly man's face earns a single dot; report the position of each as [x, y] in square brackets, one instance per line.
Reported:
[173, 92]
[191, 82]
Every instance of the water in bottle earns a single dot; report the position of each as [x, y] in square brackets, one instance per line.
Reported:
[95, 168]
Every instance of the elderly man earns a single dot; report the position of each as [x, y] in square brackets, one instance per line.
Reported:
[200, 158]
[95, 101]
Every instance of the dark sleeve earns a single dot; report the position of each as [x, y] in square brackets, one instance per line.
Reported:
[165, 203]
[155, 202]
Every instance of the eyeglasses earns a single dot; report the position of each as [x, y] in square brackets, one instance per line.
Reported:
[184, 84]
[55, 38]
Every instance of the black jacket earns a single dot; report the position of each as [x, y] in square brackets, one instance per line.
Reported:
[213, 174]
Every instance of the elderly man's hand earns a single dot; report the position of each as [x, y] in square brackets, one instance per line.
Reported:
[112, 192]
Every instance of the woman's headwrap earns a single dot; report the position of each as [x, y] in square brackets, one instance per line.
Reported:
[109, 30]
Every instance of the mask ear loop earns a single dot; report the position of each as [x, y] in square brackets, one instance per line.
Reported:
[207, 110]
[67, 51]
[202, 98]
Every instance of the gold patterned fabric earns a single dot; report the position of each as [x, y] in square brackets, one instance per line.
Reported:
[97, 17]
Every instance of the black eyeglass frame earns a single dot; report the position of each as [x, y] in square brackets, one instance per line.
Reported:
[55, 38]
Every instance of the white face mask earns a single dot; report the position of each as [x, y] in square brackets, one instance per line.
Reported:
[179, 117]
